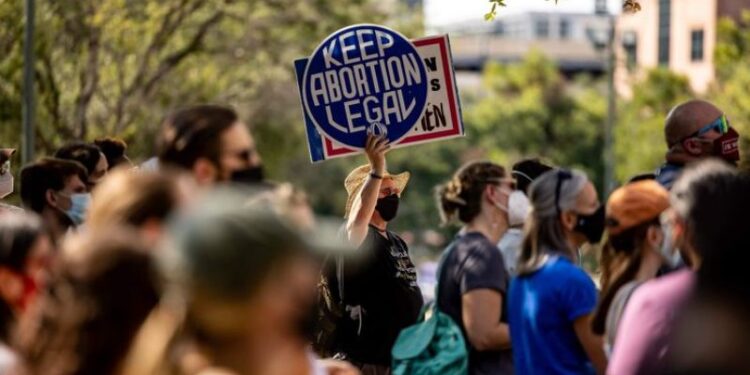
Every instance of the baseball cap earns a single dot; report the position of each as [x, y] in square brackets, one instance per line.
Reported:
[635, 204]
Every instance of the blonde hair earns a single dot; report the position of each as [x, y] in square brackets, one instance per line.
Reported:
[127, 197]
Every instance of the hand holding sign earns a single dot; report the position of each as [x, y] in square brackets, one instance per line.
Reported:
[375, 149]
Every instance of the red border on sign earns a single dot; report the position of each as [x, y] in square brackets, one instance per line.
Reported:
[331, 151]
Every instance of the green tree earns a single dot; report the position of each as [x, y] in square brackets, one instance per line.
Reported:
[115, 67]
[529, 109]
[731, 89]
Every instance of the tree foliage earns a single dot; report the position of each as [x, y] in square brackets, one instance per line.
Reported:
[733, 77]
[530, 110]
[116, 66]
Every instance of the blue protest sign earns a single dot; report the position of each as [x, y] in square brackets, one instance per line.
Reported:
[364, 78]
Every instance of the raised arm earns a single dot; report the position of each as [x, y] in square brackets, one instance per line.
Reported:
[367, 198]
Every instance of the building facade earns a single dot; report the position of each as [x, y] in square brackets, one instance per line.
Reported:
[677, 34]
[564, 37]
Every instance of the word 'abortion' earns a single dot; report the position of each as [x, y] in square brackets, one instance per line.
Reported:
[370, 84]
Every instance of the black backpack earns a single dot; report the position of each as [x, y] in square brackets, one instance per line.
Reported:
[330, 308]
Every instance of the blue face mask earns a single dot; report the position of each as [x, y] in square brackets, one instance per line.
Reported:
[79, 205]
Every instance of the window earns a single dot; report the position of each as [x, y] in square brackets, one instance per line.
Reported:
[696, 45]
[600, 8]
[499, 29]
[665, 13]
[542, 29]
[564, 29]
[630, 45]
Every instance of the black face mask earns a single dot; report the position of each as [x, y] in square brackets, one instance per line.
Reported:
[591, 226]
[252, 175]
[388, 207]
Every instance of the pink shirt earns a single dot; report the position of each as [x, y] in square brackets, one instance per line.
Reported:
[643, 335]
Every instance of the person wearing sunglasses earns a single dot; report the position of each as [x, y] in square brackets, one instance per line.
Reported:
[212, 143]
[696, 130]
[552, 300]
[472, 280]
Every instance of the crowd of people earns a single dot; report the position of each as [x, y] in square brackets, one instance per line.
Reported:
[195, 263]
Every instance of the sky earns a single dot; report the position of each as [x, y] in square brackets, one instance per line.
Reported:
[442, 12]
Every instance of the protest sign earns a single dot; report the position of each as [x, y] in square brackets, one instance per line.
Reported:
[340, 127]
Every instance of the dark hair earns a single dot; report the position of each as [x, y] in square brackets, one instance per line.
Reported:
[721, 297]
[47, 174]
[87, 154]
[719, 221]
[620, 261]
[462, 196]
[193, 133]
[706, 196]
[114, 150]
[18, 234]
[96, 301]
[528, 170]
[642, 177]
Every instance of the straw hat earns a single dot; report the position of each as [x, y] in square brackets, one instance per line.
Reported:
[359, 175]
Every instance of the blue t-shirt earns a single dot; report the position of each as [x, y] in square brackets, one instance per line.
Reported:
[542, 308]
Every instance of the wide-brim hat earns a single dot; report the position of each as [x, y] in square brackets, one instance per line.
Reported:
[356, 179]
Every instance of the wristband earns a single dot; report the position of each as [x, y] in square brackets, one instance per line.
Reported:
[376, 176]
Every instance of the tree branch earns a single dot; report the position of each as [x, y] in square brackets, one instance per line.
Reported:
[173, 60]
[89, 76]
[173, 19]
[48, 83]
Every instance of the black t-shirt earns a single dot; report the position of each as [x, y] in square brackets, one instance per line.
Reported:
[475, 263]
[381, 297]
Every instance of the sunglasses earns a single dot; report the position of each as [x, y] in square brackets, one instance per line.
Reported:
[246, 154]
[504, 180]
[720, 125]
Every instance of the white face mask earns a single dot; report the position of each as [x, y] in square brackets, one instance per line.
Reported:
[6, 180]
[518, 207]
[669, 253]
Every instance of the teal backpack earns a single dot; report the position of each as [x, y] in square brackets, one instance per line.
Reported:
[433, 346]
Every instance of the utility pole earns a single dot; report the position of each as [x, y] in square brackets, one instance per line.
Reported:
[609, 152]
[27, 144]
